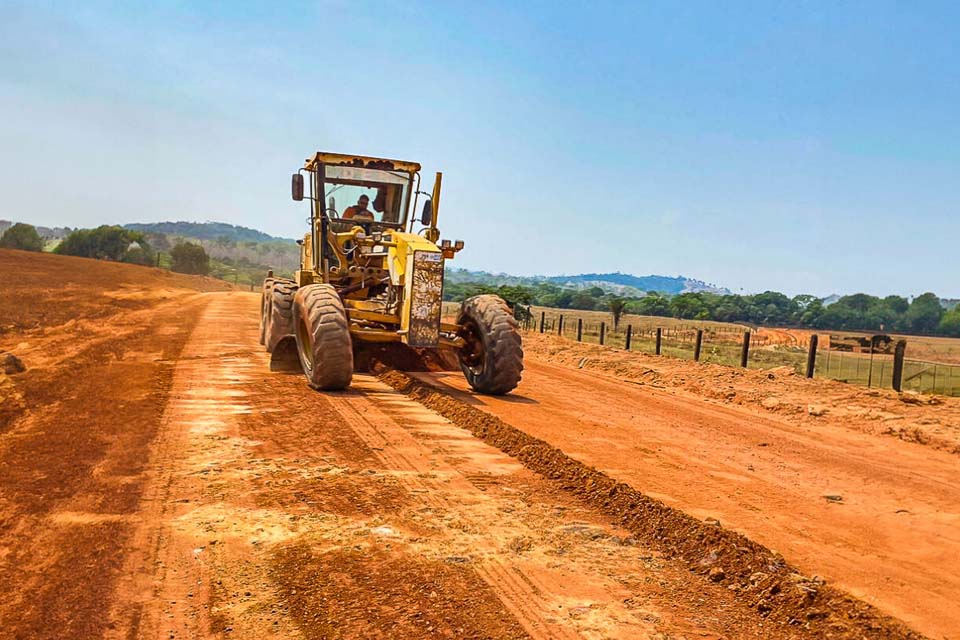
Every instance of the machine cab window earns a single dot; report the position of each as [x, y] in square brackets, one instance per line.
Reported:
[366, 195]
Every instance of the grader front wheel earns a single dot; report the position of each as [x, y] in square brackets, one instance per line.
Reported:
[277, 321]
[323, 337]
[492, 359]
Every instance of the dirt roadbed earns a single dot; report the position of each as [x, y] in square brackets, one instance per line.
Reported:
[160, 482]
[180, 494]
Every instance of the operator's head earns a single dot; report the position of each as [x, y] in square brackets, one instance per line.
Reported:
[363, 202]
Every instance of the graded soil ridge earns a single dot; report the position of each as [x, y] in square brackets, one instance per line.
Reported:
[772, 586]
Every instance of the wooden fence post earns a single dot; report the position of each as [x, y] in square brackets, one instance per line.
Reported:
[698, 345]
[812, 355]
[543, 317]
[560, 326]
[659, 339]
[579, 329]
[603, 330]
[745, 350]
[629, 335]
[898, 352]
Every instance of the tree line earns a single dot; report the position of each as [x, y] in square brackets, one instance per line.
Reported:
[110, 242]
[857, 312]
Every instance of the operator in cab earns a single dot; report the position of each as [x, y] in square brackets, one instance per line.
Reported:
[359, 211]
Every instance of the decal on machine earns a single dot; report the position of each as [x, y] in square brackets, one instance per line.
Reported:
[426, 299]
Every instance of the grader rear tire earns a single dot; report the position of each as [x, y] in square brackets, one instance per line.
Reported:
[266, 293]
[279, 320]
[323, 337]
[492, 360]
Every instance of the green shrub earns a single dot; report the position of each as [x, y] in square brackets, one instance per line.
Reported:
[187, 257]
[105, 243]
[21, 236]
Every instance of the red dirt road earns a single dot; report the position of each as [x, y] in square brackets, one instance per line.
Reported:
[158, 481]
[893, 538]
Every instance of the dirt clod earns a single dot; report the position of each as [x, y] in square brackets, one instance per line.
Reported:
[11, 364]
[816, 410]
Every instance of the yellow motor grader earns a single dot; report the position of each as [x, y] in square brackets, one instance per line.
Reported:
[370, 281]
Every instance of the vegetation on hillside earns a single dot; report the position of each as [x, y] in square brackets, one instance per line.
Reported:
[244, 256]
[21, 236]
[107, 243]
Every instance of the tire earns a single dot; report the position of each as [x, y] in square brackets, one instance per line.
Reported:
[266, 293]
[279, 321]
[492, 360]
[323, 337]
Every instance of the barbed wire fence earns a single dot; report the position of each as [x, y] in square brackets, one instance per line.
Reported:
[755, 348]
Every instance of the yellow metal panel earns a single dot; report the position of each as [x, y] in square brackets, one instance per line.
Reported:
[367, 162]
[406, 244]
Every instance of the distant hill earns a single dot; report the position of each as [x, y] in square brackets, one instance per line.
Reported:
[626, 281]
[206, 231]
[622, 284]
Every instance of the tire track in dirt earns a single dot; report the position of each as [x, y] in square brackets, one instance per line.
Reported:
[174, 567]
[761, 577]
[522, 595]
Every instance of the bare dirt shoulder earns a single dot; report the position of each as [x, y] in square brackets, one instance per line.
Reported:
[932, 421]
[75, 429]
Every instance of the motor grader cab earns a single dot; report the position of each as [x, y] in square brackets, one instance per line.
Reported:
[370, 280]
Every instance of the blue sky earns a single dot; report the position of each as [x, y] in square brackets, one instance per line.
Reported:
[797, 146]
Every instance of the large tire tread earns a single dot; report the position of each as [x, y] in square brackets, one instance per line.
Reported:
[320, 309]
[503, 359]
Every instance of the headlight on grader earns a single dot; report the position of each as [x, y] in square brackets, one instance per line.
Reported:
[458, 245]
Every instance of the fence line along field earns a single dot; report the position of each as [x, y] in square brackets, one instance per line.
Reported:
[931, 365]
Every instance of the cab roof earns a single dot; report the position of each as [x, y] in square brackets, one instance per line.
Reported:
[366, 162]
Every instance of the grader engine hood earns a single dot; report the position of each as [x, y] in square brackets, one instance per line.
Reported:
[417, 264]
